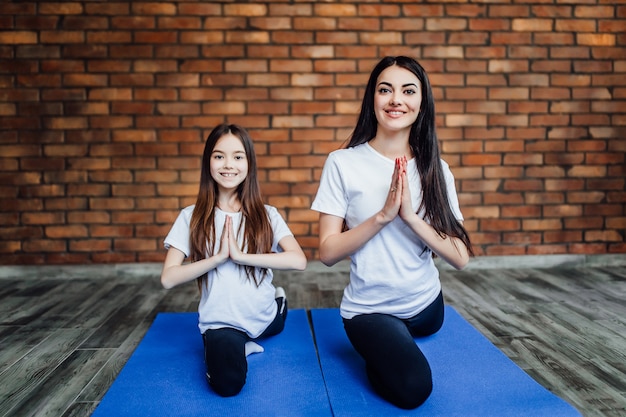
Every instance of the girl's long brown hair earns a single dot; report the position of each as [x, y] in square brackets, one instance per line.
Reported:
[255, 223]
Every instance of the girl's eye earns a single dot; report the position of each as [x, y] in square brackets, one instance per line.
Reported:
[384, 90]
[218, 156]
[409, 92]
[239, 157]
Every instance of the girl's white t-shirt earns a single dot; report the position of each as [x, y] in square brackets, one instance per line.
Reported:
[229, 298]
[391, 273]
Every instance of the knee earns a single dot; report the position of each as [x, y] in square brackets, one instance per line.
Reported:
[225, 360]
[227, 385]
[413, 392]
[406, 389]
[226, 372]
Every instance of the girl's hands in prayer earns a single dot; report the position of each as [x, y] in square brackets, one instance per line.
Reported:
[233, 249]
[224, 251]
[228, 243]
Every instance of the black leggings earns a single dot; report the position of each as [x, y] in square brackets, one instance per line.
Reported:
[225, 356]
[396, 367]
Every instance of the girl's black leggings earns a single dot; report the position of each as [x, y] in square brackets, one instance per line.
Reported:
[396, 367]
[225, 356]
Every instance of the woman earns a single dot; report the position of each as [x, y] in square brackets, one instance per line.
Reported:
[389, 203]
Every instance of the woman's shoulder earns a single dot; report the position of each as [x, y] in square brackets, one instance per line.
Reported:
[344, 153]
[445, 167]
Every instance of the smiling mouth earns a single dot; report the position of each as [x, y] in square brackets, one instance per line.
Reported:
[228, 174]
[395, 112]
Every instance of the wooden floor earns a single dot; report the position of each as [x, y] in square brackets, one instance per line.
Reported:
[66, 334]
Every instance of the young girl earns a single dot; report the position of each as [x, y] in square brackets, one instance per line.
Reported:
[389, 203]
[232, 240]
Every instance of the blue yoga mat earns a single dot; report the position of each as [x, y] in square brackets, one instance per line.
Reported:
[165, 375]
[471, 377]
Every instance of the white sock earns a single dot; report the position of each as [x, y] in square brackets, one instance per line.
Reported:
[253, 347]
[280, 292]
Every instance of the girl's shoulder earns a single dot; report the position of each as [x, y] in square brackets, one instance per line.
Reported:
[273, 213]
[188, 210]
[270, 209]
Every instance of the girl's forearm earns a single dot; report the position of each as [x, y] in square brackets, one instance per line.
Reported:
[280, 261]
[175, 274]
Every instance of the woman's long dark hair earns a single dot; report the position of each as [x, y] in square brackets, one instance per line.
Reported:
[255, 223]
[424, 145]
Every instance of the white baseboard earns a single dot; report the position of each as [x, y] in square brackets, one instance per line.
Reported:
[144, 270]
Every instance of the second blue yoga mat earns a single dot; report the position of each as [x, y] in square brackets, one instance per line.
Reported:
[471, 377]
[165, 375]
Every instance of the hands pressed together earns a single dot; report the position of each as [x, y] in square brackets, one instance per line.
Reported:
[228, 243]
[398, 201]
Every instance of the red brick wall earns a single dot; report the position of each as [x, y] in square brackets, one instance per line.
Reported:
[104, 107]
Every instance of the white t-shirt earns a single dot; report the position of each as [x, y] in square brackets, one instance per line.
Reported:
[391, 273]
[230, 299]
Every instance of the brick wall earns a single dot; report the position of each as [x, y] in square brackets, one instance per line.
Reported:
[104, 108]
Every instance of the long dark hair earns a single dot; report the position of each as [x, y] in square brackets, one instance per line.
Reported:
[424, 145]
[255, 223]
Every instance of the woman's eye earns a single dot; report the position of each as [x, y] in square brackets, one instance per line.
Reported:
[409, 92]
[384, 90]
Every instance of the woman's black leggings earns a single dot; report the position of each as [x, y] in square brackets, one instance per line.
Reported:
[225, 355]
[396, 367]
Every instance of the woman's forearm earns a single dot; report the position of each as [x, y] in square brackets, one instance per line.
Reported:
[336, 246]
[450, 249]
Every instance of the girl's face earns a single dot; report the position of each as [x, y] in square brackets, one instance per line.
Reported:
[229, 162]
[397, 98]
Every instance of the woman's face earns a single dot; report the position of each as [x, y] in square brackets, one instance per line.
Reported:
[397, 98]
[229, 162]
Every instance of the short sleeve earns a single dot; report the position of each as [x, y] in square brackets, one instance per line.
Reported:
[178, 237]
[453, 198]
[279, 226]
[331, 196]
